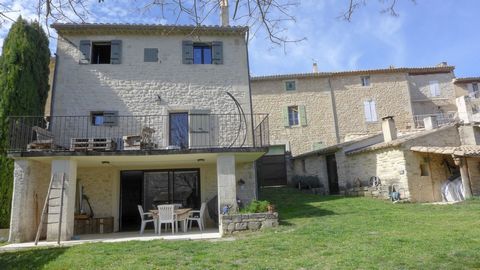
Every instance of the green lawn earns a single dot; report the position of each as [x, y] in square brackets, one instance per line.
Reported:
[316, 232]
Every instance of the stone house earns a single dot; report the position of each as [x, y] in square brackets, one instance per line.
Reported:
[140, 115]
[310, 111]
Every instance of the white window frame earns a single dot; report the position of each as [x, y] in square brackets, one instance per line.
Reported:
[366, 81]
[434, 88]
[370, 111]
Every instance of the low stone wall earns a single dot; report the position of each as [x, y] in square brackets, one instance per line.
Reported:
[248, 222]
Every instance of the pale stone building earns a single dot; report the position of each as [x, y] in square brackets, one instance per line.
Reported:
[140, 115]
[313, 110]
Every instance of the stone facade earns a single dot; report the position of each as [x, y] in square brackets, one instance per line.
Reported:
[248, 222]
[335, 103]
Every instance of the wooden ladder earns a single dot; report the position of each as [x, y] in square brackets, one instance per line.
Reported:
[46, 206]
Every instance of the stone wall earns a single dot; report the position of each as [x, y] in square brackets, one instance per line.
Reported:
[474, 173]
[248, 222]
[422, 100]
[313, 165]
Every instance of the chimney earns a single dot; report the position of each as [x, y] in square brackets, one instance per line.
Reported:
[388, 129]
[430, 122]
[442, 64]
[224, 13]
[315, 68]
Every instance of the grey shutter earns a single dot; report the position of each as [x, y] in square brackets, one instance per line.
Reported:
[150, 55]
[201, 135]
[116, 52]
[187, 52]
[217, 52]
[85, 48]
[303, 115]
[286, 121]
[110, 118]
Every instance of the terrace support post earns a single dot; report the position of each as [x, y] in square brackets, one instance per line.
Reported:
[22, 221]
[227, 185]
[69, 167]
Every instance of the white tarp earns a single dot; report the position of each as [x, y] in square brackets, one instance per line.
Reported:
[452, 190]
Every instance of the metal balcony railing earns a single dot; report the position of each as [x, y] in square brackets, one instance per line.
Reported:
[442, 118]
[123, 133]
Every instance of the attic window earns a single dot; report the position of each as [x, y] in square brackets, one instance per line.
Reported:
[101, 52]
[365, 80]
[290, 86]
[202, 53]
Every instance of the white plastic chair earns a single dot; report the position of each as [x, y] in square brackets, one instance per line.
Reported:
[166, 215]
[146, 218]
[198, 216]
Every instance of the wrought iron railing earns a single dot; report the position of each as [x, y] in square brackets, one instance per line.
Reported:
[153, 132]
[442, 118]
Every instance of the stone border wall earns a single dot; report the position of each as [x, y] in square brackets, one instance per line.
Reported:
[248, 222]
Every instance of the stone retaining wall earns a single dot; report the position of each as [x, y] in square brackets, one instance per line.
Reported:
[242, 222]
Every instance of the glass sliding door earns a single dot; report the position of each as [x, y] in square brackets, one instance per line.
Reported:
[186, 188]
[156, 189]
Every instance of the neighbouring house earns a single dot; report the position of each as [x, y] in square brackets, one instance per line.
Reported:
[417, 165]
[140, 115]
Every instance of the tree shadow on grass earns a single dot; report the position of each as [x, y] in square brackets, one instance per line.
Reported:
[29, 259]
[292, 203]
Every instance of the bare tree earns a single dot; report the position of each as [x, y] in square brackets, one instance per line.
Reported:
[268, 17]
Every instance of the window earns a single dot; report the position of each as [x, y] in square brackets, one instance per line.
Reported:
[290, 86]
[104, 118]
[101, 52]
[202, 53]
[150, 55]
[365, 80]
[293, 116]
[475, 87]
[434, 89]
[179, 129]
[370, 111]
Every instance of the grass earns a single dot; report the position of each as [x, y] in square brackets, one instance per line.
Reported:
[315, 233]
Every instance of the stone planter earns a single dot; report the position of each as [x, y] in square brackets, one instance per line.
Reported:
[248, 222]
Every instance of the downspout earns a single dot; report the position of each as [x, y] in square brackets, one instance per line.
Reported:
[334, 110]
[257, 187]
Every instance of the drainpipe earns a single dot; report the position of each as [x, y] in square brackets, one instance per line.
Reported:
[334, 110]
[462, 163]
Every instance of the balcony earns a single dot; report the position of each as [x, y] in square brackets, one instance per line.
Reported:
[442, 118]
[113, 133]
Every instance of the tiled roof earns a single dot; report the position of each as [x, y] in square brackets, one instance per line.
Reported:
[464, 150]
[418, 70]
[139, 28]
[398, 141]
[466, 80]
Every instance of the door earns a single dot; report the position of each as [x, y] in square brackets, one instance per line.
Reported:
[332, 174]
[178, 129]
[271, 168]
[131, 183]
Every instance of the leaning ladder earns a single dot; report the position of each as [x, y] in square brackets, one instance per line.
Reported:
[47, 205]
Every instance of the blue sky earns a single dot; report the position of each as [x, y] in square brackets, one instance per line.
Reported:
[424, 34]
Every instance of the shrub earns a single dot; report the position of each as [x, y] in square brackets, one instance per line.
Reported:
[255, 207]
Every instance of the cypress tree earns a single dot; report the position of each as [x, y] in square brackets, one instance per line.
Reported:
[24, 69]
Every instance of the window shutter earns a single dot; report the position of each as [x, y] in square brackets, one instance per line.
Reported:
[217, 52]
[85, 48]
[110, 118]
[434, 89]
[200, 127]
[373, 111]
[303, 115]
[286, 121]
[187, 52]
[150, 55]
[116, 52]
[368, 113]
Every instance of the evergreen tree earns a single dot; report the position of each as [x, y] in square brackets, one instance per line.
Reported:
[24, 69]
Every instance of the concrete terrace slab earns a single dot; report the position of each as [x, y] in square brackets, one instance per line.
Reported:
[208, 234]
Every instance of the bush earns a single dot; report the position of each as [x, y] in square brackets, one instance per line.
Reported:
[255, 207]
